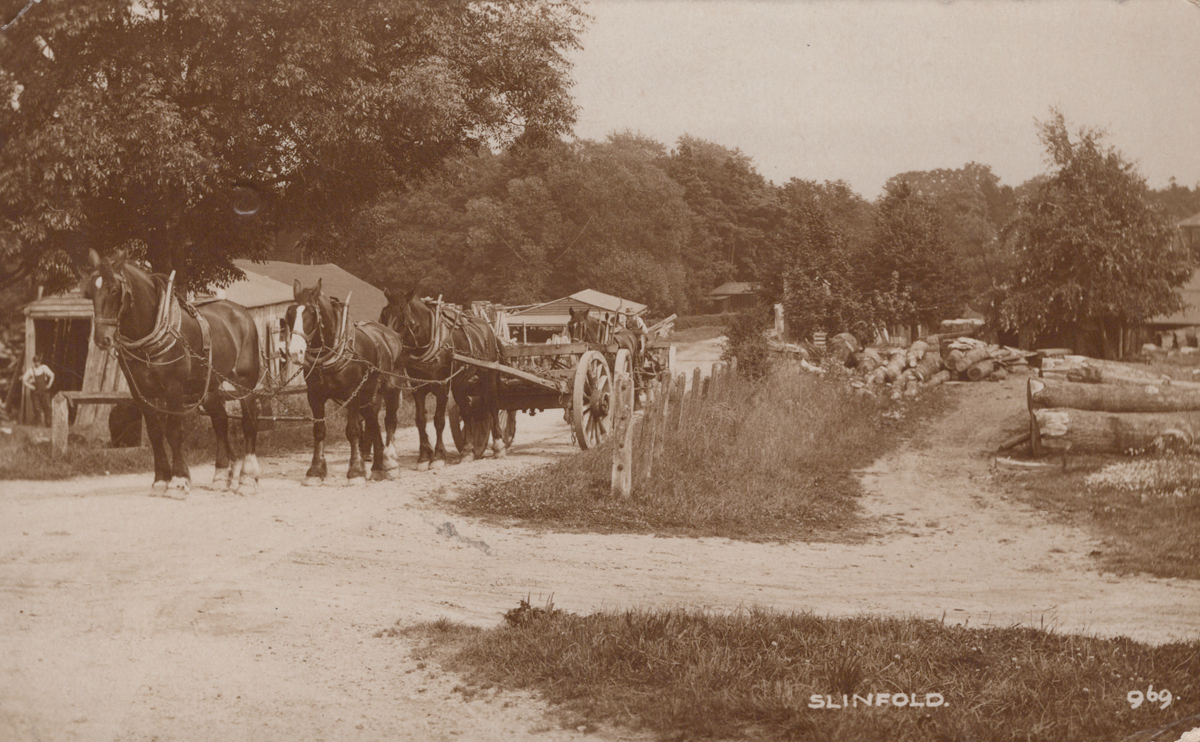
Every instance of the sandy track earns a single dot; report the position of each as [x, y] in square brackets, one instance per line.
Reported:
[125, 617]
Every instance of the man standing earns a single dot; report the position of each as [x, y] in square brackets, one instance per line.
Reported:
[38, 379]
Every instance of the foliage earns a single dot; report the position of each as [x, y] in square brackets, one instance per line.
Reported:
[1090, 245]
[910, 270]
[534, 224]
[767, 460]
[974, 208]
[734, 210]
[813, 268]
[756, 674]
[746, 340]
[196, 128]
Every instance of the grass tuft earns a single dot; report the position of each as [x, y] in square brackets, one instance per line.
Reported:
[759, 461]
[768, 675]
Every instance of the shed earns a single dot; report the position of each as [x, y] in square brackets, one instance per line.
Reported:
[733, 296]
[551, 317]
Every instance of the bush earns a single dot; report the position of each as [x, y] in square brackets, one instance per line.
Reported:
[746, 341]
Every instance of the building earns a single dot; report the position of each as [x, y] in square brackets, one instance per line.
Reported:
[366, 302]
[1189, 233]
[733, 296]
[540, 322]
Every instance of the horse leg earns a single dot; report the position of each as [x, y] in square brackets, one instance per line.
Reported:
[491, 403]
[357, 473]
[426, 452]
[470, 430]
[181, 478]
[374, 435]
[223, 467]
[317, 471]
[439, 425]
[162, 465]
[248, 481]
[391, 400]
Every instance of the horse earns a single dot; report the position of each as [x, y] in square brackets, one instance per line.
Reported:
[585, 329]
[177, 358]
[350, 365]
[431, 336]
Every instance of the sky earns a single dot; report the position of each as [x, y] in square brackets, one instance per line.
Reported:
[861, 90]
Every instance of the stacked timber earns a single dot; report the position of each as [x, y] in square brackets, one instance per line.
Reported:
[1126, 417]
[936, 359]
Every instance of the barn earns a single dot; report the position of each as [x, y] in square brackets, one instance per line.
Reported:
[540, 322]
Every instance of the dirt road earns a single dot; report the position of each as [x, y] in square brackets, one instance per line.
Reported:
[131, 618]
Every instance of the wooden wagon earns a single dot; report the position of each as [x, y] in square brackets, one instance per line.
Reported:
[577, 378]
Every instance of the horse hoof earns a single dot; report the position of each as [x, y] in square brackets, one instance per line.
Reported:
[379, 476]
[313, 482]
[439, 464]
[222, 482]
[246, 489]
[159, 488]
[356, 481]
[422, 466]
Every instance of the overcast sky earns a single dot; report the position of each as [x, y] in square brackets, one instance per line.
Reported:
[860, 90]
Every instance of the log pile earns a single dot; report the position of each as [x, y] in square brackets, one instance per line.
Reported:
[933, 360]
[1084, 405]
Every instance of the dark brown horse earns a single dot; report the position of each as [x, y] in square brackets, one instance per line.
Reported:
[431, 336]
[177, 358]
[350, 364]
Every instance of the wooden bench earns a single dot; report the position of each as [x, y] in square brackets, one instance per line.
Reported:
[60, 408]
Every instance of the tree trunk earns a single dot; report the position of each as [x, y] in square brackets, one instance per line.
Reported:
[981, 370]
[970, 358]
[1087, 431]
[1149, 397]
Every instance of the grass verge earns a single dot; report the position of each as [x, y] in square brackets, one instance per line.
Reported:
[761, 461]
[774, 676]
[1145, 510]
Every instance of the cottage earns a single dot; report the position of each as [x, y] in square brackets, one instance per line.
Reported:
[733, 296]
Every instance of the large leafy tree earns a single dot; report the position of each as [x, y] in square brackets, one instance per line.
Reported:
[1091, 246]
[974, 207]
[911, 271]
[195, 128]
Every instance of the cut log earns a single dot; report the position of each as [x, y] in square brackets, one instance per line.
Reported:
[1087, 431]
[929, 365]
[1000, 374]
[842, 346]
[915, 353]
[938, 378]
[981, 370]
[953, 358]
[1146, 397]
[970, 358]
[868, 360]
[895, 367]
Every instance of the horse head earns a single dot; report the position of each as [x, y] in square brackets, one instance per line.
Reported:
[580, 327]
[310, 321]
[121, 294]
[408, 317]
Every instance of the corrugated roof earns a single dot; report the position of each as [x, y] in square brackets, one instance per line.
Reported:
[586, 299]
[1190, 293]
[365, 305]
[734, 288]
[257, 290]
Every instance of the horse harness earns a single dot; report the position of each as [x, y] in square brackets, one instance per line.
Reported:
[163, 337]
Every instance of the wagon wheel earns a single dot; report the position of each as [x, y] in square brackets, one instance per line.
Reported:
[591, 400]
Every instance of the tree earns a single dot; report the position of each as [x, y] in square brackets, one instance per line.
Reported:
[974, 208]
[912, 273]
[196, 128]
[1091, 247]
[812, 269]
[734, 210]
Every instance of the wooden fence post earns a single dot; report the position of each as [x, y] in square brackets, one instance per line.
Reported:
[60, 422]
[622, 474]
